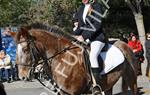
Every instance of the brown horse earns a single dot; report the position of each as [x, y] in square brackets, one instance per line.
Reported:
[67, 64]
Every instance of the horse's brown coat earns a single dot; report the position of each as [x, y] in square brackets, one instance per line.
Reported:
[73, 77]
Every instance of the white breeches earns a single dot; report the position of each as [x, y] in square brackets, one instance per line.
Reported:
[96, 47]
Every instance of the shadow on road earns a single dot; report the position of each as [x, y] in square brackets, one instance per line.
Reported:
[2, 90]
[140, 92]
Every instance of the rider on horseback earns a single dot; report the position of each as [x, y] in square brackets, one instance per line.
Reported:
[84, 23]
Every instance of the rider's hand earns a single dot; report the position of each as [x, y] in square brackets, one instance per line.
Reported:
[79, 38]
[76, 24]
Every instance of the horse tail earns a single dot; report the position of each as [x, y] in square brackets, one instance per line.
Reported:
[129, 55]
[129, 76]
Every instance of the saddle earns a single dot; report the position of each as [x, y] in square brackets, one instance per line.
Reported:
[109, 58]
[105, 48]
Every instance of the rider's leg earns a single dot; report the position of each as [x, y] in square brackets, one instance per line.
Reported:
[96, 47]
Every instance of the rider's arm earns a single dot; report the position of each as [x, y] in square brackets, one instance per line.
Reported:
[77, 30]
[97, 25]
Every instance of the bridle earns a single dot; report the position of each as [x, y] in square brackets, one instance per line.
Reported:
[31, 42]
[34, 50]
[45, 61]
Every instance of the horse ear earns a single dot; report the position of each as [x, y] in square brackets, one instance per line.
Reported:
[13, 34]
[24, 31]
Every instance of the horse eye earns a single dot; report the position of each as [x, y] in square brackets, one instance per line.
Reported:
[25, 49]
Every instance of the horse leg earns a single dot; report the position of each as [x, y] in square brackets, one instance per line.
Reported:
[133, 87]
[130, 80]
[109, 92]
[124, 87]
[132, 84]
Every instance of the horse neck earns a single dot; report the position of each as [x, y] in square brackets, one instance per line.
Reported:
[52, 44]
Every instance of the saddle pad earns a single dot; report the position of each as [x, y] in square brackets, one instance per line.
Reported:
[111, 58]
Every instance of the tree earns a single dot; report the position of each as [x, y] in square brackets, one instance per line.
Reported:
[136, 7]
[12, 11]
[60, 13]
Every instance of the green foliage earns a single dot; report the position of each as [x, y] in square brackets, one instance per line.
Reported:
[146, 2]
[10, 10]
[60, 13]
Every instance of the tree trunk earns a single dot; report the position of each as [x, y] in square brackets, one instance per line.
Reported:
[141, 31]
[140, 27]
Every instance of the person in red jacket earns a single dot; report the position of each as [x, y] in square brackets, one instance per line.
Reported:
[137, 48]
[135, 44]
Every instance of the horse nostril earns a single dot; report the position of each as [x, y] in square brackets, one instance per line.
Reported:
[23, 78]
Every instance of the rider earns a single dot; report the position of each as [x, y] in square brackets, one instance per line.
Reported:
[83, 19]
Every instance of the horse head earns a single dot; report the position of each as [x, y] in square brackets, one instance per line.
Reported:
[23, 53]
[50, 43]
[28, 51]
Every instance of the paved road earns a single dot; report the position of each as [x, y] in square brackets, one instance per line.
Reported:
[35, 88]
[26, 88]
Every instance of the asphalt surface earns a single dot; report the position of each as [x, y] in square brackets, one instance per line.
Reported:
[35, 88]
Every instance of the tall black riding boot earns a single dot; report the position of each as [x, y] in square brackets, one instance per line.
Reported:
[96, 74]
[97, 88]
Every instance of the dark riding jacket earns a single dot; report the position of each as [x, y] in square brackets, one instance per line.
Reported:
[96, 35]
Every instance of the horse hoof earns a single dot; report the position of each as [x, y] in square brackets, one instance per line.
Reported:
[96, 91]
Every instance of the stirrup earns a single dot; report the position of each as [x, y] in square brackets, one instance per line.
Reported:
[97, 90]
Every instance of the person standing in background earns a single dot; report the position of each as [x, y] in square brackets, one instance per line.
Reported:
[136, 46]
[0, 40]
[5, 62]
[9, 46]
[147, 46]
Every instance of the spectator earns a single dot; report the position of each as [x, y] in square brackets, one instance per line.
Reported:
[7, 31]
[15, 72]
[10, 47]
[136, 46]
[147, 45]
[1, 68]
[6, 65]
[0, 40]
[124, 37]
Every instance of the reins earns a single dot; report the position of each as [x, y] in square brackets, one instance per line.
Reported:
[42, 59]
[45, 61]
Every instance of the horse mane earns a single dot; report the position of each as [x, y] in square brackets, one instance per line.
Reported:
[55, 30]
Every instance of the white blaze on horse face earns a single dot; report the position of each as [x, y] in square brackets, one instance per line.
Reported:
[19, 56]
[20, 52]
